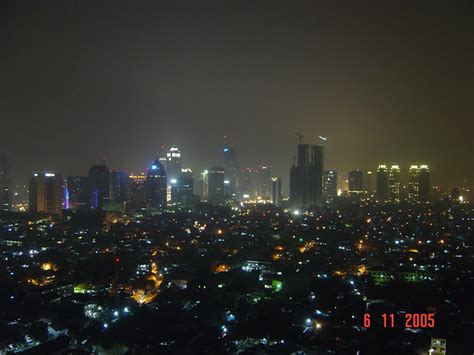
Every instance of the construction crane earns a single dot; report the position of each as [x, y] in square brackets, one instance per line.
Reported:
[300, 136]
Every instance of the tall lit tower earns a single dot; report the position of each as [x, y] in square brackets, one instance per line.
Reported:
[424, 183]
[306, 176]
[216, 185]
[356, 181]
[231, 171]
[382, 189]
[329, 184]
[419, 183]
[99, 185]
[394, 183]
[276, 191]
[173, 163]
[46, 193]
[156, 186]
[6, 177]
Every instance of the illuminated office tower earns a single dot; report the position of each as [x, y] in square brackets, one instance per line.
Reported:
[264, 187]
[419, 183]
[182, 188]
[156, 186]
[119, 186]
[355, 181]
[216, 185]
[6, 181]
[276, 191]
[231, 175]
[173, 164]
[137, 190]
[78, 191]
[329, 184]
[394, 183]
[99, 185]
[368, 182]
[46, 193]
[203, 185]
[249, 184]
[413, 183]
[424, 183]
[382, 192]
[306, 176]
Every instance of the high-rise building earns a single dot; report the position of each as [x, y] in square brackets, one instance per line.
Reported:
[249, 184]
[394, 183]
[202, 187]
[6, 181]
[216, 185]
[264, 187]
[137, 190]
[99, 186]
[329, 184]
[356, 181]
[419, 183]
[182, 189]
[424, 183]
[368, 182]
[231, 175]
[78, 192]
[156, 186]
[46, 193]
[119, 186]
[173, 164]
[382, 188]
[276, 191]
[306, 176]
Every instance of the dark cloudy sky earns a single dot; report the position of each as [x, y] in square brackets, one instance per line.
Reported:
[385, 81]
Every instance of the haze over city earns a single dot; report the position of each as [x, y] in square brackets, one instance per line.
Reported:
[386, 82]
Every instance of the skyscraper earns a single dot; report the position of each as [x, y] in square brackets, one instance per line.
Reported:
[329, 184]
[156, 186]
[306, 176]
[182, 188]
[216, 185]
[356, 181]
[119, 186]
[137, 190]
[276, 191]
[173, 164]
[419, 183]
[46, 193]
[99, 185]
[6, 177]
[394, 183]
[231, 175]
[368, 182]
[424, 183]
[77, 187]
[264, 187]
[382, 191]
[249, 184]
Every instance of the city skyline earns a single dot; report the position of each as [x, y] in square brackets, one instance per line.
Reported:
[368, 76]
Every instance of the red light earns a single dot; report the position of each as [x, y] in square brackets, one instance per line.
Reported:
[117, 259]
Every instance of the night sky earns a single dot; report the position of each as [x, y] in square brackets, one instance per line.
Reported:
[385, 81]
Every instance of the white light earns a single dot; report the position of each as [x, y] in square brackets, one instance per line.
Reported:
[116, 314]
[296, 212]
[174, 181]
[126, 310]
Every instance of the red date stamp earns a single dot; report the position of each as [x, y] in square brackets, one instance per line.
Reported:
[411, 320]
